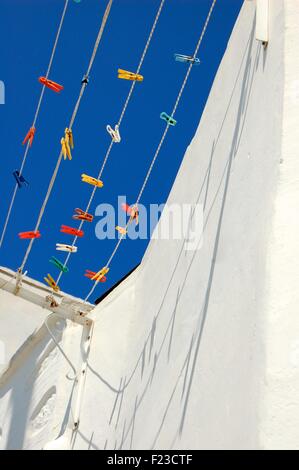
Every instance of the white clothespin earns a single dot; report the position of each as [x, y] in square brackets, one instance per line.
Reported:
[63, 247]
[114, 133]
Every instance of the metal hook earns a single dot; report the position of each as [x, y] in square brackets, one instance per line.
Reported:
[58, 345]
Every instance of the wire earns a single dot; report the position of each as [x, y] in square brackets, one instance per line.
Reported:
[119, 123]
[34, 121]
[160, 143]
[76, 109]
[52, 314]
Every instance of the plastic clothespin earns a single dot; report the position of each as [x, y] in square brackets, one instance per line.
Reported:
[92, 181]
[187, 58]
[67, 143]
[121, 230]
[67, 248]
[126, 75]
[50, 84]
[21, 181]
[66, 154]
[92, 274]
[29, 235]
[115, 135]
[170, 120]
[85, 79]
[82, 215]
[29, 136]
[59, 264]
[50, 281]
[133, 212]
[71, 231]
[99, 275]
[69, 138]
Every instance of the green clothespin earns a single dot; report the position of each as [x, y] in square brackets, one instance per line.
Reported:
[59, 265]
[170, 120]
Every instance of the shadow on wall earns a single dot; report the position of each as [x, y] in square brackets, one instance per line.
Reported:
[187, 371]
[241, 118]
[17, 384]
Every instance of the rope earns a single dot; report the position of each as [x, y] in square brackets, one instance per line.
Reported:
[160, 143]
[34, 120]
[76, 109]
[119, 123]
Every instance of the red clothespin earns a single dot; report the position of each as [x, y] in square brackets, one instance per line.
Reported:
[81, 215]
[29, 136]
[29, 235]
[131, 211]
[50, 84]
[92, 274]
[71, 231]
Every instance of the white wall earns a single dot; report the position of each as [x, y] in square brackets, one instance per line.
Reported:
[38, 397]
[195, 369]
[280, 405]
[15, 311]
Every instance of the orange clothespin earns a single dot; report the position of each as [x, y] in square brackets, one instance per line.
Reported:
[29, 235]
[81, 215]
[50, 84]
[29, 136]
[92, 274]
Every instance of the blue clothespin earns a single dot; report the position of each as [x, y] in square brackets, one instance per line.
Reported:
[20, 179]
[59, 265]
[170, 120]
[187, 58]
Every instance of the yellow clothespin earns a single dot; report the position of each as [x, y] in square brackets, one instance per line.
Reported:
[91, 180]
[121, 230]
[50, 281]
[66, 151]
[126, 75]
[67, 142]
[63, 148]
[69, 138]
[99, 275]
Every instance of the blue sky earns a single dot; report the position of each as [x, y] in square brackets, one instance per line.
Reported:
[27, 32]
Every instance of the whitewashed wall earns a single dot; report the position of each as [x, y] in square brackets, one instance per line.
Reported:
[38, 395]
[205, 360]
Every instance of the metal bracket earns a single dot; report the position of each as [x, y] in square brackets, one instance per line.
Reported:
[262, 21]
